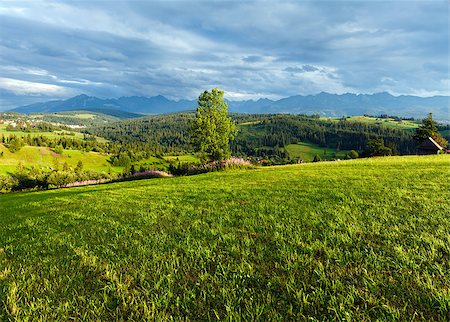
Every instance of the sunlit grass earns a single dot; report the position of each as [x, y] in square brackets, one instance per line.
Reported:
[307, 151]
[387, 122]
[44, 157]
[51, 135]
[355, 240]
[182, 158]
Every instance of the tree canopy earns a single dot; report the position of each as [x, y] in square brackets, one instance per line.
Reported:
[213, 129]
[429, 129]
[376, 147]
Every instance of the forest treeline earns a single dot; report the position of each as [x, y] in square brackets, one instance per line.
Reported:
[258, 134]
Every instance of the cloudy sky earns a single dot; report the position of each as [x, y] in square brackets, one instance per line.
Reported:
[251, 49]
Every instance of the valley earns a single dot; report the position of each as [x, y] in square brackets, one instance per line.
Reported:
[224, 161]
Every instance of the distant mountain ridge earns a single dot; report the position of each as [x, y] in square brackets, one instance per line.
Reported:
[325, 104]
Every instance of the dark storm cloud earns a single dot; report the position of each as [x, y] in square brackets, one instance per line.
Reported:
[251, 49]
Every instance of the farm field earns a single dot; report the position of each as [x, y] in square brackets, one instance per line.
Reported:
[355, 240]
[307, 151]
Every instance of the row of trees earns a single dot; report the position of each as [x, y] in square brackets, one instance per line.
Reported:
[43, 178]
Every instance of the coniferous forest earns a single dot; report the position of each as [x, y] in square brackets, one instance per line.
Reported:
[257, 133]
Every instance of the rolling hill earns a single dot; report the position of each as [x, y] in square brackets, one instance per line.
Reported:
[45, 157]
[323, 103]
[353, 240]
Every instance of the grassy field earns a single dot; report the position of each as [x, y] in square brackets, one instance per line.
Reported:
[44, 157]
[83, 118]
[307, 151]
[76, 115]
[51, 135]
[182, 158]
[355, 240]
[388, 122]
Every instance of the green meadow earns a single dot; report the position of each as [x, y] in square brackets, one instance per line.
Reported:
[80, 115]
[307, 151]
[387, 122]
[45, 157]
[186, 158]
[51, 135]
[357, 240]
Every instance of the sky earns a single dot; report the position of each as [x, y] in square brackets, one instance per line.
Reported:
[250, 49]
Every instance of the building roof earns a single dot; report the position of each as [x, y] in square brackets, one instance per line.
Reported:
[430, 144]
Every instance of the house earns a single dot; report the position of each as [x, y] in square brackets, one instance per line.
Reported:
[430, 146]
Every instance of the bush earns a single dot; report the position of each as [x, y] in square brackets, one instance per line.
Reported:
[121, 160]
[353, 155]
[7, 183]
[147, 174]
[15, 144]
[58, 149]
[61, 178]
[193, 168]
[37, 178]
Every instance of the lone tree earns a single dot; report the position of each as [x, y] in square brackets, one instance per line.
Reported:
[429, 129]
[212, 129]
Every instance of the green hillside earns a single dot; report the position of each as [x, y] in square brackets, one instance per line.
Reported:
[307, 151]
[51, 135]
[388, 122]
[356, 240]
[45, 157]
[86, 118]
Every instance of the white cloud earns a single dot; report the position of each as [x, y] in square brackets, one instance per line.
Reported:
[31, 88]
[240, 96]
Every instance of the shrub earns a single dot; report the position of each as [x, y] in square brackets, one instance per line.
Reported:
[353, 155]
[15, 144]
[7, 183]
[147, 174]
[58, 149]
[192, 168]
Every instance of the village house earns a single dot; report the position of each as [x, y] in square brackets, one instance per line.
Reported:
[430, 146]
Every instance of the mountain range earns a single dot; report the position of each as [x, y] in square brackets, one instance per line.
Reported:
[323, 103]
